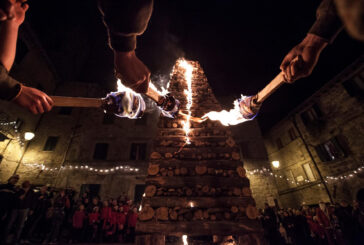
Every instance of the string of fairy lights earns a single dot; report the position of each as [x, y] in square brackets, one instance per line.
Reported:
[6, 127]
[112, 170]
[328, 179]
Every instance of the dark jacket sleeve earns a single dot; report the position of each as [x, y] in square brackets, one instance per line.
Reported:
[327, 24]
[9, 87]
[125, 20]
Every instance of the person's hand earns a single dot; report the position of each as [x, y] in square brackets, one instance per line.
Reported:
[20, 7]
[132, 71]
[13, 10]
[302, 59]
[6, 10]
[34, 100]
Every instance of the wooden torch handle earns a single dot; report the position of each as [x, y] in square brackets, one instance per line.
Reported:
[270, 88]
[76, 101]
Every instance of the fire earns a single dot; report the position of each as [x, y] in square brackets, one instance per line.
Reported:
[232, 117]
[184, 239]
[188, 92]
[161, 92]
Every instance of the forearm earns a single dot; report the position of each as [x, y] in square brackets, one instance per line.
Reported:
[125, 21]
[9, 87]
[8, 37]
[327, 24]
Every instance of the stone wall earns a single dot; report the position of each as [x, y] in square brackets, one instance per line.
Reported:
[340, 117]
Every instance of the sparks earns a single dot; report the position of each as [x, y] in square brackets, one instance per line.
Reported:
[188, 92]
[232, 117]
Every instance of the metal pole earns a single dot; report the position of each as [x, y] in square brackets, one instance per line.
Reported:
[312, 158]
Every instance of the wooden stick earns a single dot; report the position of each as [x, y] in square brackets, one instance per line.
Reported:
[76, 101]
[270, 88]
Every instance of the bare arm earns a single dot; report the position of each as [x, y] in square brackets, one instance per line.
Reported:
[8, 37]
[9, 33]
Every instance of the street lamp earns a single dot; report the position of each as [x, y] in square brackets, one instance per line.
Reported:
[28, 136]
[275, 164]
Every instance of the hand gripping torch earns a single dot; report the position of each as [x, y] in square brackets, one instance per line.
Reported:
[124, 103]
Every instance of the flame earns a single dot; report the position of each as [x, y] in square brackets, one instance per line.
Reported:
[161, 92]
[140, 208]
[188, 92]
[184, 239]
[232, 117]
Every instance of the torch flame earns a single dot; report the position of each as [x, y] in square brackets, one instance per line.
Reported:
[162, 92]
[184, 239]
[188, 92]
[232, 117]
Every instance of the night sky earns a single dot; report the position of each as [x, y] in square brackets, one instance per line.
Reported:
[240, 45]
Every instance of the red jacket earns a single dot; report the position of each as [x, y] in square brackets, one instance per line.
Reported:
[78, 218]
[126, 208]
[105, 213]
[322, 218]
[315, 227]
[93, 218]
[132, 219]
[121, 218]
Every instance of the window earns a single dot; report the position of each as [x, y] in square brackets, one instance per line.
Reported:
[138, 151]
[108, 118]
[142, 121]
[311, 115]
[100, 152]
[355, 87]
[308, 171]
[51, 143]
[331, 150]
[292, 134]
[279, 143]
[65, 111]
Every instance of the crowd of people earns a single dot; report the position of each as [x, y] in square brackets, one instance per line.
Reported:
[49, 216]
[325, 224]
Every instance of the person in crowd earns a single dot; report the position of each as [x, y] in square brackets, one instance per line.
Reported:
[132, 220]
[23, 205]
[7, 197]
[58, 215]
[104, 217]
[37, 220]
[93, 224]
[78, 224]
[120, 224]
[93, 204]
[323, 214]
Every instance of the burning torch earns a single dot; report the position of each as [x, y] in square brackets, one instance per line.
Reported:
[125, 103]
[247, 107]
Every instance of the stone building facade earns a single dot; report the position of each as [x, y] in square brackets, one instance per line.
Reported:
[324, 135]
[70, 142]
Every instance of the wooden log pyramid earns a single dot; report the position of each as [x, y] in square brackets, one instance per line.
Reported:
[203, 189]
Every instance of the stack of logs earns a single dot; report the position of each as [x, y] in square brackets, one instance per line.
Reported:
[202, 189]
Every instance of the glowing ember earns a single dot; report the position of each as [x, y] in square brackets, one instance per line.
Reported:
[232, 117]
[184, 239]
[188, 92]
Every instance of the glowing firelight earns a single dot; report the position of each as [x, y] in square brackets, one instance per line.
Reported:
[140, 208]
[184, 239]
[188, 92]
[232, 117]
